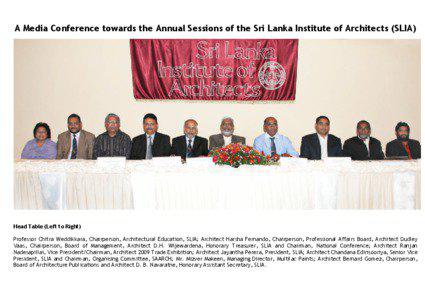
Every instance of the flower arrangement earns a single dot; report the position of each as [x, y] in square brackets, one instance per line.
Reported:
[235, 155]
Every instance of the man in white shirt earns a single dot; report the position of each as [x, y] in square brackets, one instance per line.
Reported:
[321, 144]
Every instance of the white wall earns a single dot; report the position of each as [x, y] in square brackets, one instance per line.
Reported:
[347, 80]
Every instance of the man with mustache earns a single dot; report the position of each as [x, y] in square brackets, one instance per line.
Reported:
[226, 137]
[363, 146]
[151, 143]
[75, 143]
[189, 144]
[271, 142]
[113, 142]
[403, 146]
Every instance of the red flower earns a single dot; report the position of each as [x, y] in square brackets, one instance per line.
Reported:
[236, 154]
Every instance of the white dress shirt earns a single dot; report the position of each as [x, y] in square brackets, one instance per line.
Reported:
[147, 140]
[187, 140]
[323, 146]
[227, 140]
[77, 136]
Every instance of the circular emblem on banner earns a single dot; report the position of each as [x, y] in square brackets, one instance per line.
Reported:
[272, 75]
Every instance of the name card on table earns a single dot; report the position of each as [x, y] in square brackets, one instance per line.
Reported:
[338, 161]
[111, 163]
[166, 161]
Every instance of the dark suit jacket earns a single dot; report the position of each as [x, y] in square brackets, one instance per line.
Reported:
[310, 146]
[217, 140]
[199, 148]
[395, 148]
[160, 147]
[356, 149]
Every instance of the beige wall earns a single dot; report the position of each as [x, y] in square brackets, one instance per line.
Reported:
[348, 80]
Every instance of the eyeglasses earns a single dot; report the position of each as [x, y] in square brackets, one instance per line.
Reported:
[74, 123]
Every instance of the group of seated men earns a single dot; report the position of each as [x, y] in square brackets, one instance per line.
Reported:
[77, 143]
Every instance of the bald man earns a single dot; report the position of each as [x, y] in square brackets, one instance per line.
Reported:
[226, 137]
[190, 144]
[271, 142]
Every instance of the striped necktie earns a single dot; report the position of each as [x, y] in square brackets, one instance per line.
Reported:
[189, 149]
[74, 147]
[272, 146]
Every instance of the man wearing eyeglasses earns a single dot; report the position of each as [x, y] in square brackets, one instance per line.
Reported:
[190, 144]
[113, 142]
[75, 143]
[271, 142]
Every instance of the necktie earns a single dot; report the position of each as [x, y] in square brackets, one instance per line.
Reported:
[366, 145]
[74, 147]
[189, 149]
[272, 146]
[149, 150]
[407, 148]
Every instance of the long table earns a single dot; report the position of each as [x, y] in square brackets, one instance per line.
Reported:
[294, 184]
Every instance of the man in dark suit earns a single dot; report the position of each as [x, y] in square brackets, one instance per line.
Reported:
[151, 143]
[226, 137]
[403, 146]
[363, 146]
[321, 144]
[190, 144]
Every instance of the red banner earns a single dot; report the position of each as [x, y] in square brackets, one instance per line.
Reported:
[214, 69]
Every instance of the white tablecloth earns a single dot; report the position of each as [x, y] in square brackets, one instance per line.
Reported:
[147, 185]
[79, 184]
